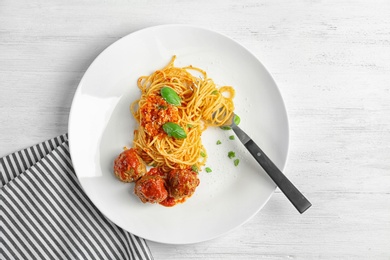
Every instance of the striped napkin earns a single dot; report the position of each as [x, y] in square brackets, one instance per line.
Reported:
[46, 215]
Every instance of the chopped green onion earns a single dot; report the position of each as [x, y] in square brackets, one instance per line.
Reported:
[194, 168]
[231, 154]
[219, 142]
[190, 126]
[231, 137]
[215, 92]
[202, 154]
[225, 127]
[236, 162]
[236, 119]
[208, 169]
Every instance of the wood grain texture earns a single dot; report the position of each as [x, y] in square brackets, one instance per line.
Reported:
[331, 61]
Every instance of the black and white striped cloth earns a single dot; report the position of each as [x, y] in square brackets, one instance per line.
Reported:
[46, 215]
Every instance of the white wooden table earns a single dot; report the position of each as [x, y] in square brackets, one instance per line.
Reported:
[331, 60]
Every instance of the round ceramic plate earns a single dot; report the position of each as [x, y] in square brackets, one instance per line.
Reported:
[101, 124]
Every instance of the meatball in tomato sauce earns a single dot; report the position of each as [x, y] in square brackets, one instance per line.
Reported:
[182, 183]
[128, 166]
[151, 188]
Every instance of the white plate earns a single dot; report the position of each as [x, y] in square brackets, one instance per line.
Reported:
[101, 124]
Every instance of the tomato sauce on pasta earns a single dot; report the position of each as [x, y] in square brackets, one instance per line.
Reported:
[203, 104]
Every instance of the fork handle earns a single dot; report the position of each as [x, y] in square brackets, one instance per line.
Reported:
[292, 193]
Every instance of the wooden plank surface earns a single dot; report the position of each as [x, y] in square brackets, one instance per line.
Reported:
[331, 61]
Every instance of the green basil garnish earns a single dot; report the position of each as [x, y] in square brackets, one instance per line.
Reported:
[170, 96]
[174, 130]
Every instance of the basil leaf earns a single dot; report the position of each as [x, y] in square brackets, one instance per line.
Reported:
[174, 130]
[170, 96]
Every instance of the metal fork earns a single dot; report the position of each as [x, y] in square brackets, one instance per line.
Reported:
[284, 184]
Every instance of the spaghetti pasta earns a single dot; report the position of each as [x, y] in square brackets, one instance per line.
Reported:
[201, 105]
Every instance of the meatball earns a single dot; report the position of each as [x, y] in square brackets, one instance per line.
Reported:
[128, 166]
[151, 188]
[182, 183]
